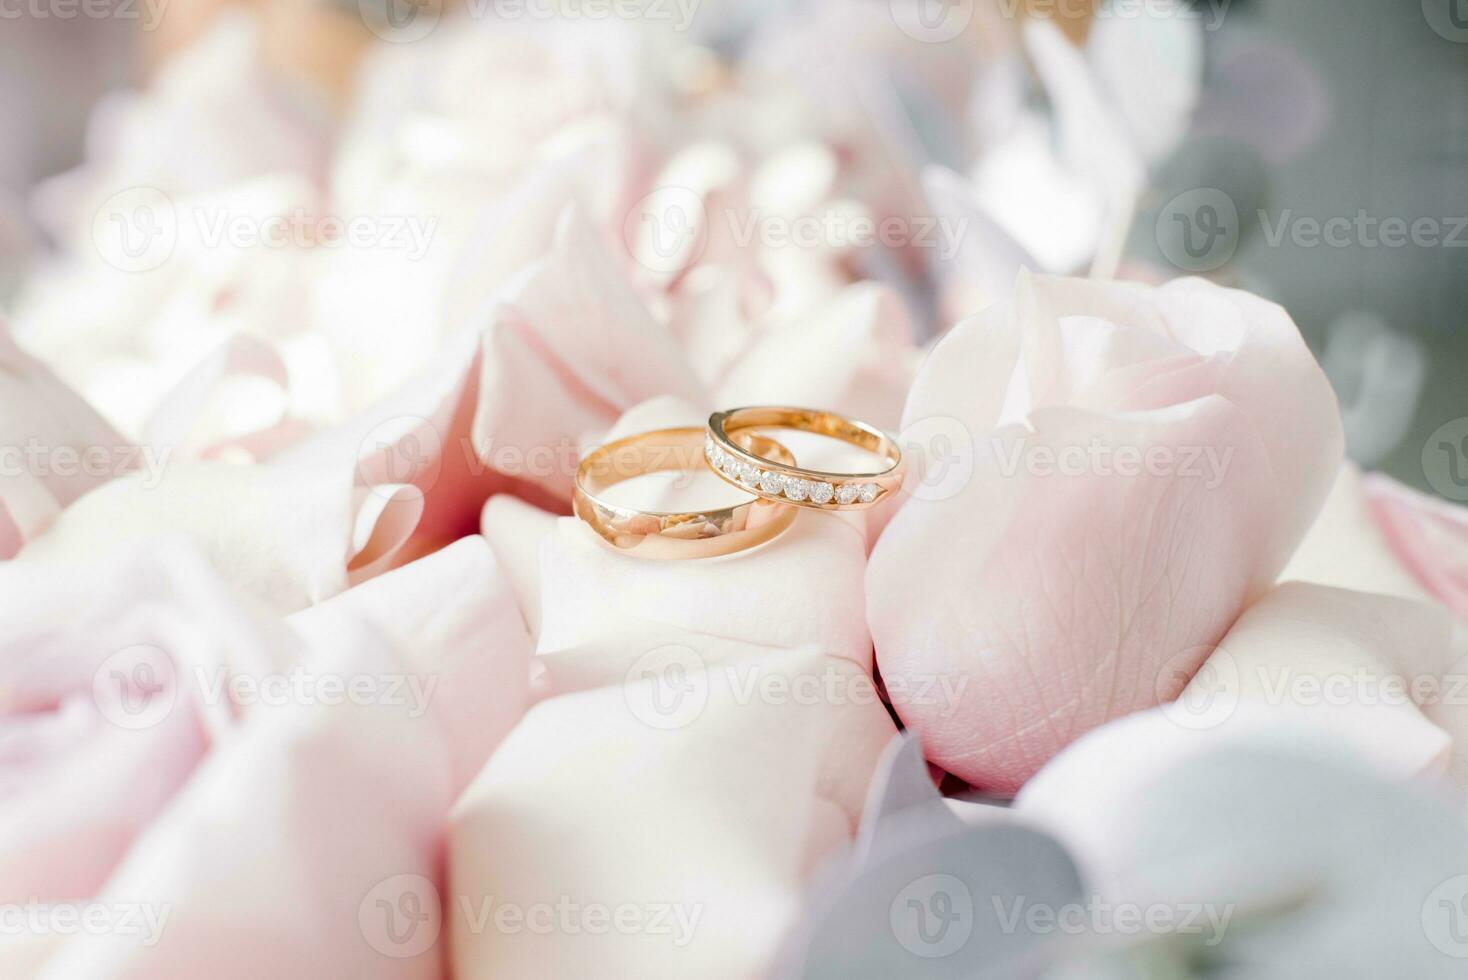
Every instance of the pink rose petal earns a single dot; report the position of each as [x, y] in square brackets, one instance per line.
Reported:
[736, 796]
[58, 446]
[107, 710]
[1427, 535]
[1377, 672]
[1348, 548]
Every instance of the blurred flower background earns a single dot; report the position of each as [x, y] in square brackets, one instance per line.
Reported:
[1311, 152]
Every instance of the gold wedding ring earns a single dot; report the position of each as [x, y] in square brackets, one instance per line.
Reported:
[779, 479]
[702, 534]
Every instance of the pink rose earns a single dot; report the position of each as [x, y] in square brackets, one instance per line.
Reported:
[172, 749]
[1144, 461]
[718, 717]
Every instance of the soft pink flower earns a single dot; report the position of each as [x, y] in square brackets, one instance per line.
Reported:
[1143, 462]
[199, 793]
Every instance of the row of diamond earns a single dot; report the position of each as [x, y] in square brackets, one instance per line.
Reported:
[792, 487]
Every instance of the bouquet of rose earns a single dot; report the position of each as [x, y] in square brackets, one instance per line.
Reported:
[309, 667]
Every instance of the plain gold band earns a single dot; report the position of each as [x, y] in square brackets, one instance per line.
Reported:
[775, 479]
[646, 534]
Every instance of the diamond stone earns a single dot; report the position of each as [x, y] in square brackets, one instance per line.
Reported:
[868, 492]
[729, 465]
[820, 493]
[846, 493]
[748, 475]
[771, 482]
[796, 489]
